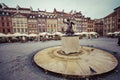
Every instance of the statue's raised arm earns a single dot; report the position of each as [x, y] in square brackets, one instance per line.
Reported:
[69, 31]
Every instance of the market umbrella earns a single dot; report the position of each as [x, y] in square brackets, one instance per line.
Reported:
[2, 35]
[32, 35]
[9, 35]
[17, 34]
[44, 33]
[94, 33]
[57, 33]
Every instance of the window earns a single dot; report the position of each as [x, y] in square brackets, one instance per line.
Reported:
[42, 15]
[8, 30]
[30, 16]
[118, 20]
[119, 15]
[2, 18]
[22, 30]
[3, 24]
[7, 13]
[58, 19]
[38, 15]
[119, 26]
[7, 18]
[18, 30]
[3, 31]
[50, 16]
[14, 30]
[43, 30]
[33, 16]
[54, 25]
[61, 14]
[25, 30]
[7, 23]
[3, 13]
[13, 24]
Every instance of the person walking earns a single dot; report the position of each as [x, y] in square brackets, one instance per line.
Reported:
[119, 40]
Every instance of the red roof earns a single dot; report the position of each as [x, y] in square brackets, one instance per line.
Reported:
[19, 9]
[10, 8]
[117, 8]
[110, 15]
[24, 9]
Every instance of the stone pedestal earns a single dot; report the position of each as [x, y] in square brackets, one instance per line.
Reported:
[70, 44]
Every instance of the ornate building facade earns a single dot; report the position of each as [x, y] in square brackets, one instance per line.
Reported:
[112, 22]
[41, 21]
[32, 24]
[19, 23]
[98, 26]
[78, 21]
[90, 25]
[26, 20]
[5, 22]
[51, 22]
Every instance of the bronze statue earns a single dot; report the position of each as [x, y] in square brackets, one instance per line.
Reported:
[69, 31]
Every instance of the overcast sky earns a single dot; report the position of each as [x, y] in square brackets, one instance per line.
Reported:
[89, 8]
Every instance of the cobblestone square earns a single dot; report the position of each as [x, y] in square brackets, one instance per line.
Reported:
[16, 61]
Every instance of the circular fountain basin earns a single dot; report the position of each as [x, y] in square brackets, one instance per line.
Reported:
[87, 62]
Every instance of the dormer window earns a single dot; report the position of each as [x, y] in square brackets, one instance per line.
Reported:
[33, 16]
[30, 16]
[38, 15]
[7, 13]
[61, 14]
[3, 13]
[50, 16]
[42, 15]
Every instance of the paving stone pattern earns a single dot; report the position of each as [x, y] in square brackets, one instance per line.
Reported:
[16, 60]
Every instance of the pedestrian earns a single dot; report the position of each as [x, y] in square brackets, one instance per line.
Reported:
[119, 40]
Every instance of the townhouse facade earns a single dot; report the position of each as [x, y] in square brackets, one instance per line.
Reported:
[90, 25]
[19, 23]
[112, 22]
[32, 24]
[84, 24]
[41, 21]
[5, 22]
[117, 19]
[51, 22]
[78, 21]
[98, 26]
[26, 20]
[60, 16]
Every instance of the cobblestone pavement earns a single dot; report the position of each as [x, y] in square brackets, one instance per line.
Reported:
[16, 60]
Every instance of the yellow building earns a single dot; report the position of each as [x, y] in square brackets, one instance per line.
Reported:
[19, 23]
[51, 22]
[84, 25]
